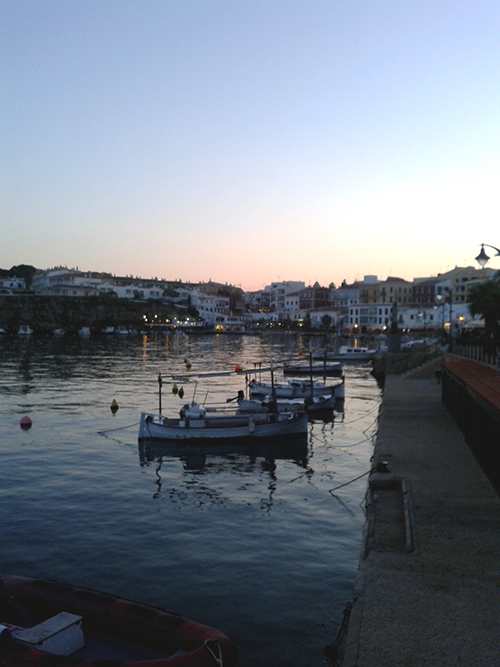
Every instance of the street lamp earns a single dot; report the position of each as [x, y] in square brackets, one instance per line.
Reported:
[441, 300]
[482, 258]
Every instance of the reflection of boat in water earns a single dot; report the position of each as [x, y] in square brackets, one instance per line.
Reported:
[53, 624]
[194, 456]
[199, 424]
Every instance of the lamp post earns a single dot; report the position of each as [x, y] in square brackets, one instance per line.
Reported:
[482, 259]
[441, 300]
[422, 315]
[450, 342]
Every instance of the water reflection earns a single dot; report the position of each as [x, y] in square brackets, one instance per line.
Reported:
[204, 462]
[195, 457]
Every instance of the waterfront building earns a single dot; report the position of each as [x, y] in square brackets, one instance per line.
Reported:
[279, 291]
[212, 308]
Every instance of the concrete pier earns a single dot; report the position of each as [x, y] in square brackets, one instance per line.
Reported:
[428, 588]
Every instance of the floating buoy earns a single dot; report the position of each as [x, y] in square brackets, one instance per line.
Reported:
[237, 368]
[114, 406]
[300, 353]
[175, 389]
[188, 364]
[181, 393]
[25, 423]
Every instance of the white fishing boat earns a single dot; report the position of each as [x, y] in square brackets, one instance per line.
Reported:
[296, 389]
[24, 330]
[197, 423]
[84, 331]
[310, 403]
[346, 353]
[330, 368]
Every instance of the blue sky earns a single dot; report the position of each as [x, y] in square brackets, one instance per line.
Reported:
[249, 141]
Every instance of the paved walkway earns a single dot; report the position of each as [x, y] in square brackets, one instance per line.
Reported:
[428, 591]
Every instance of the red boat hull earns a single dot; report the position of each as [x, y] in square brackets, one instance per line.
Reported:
[118, 618]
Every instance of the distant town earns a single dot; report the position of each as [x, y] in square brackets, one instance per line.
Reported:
[366, 306]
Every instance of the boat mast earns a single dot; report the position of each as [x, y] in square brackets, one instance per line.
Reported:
[160, 382]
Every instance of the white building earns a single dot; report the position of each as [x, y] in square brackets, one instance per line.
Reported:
[10, 284]
[209, 306]
[61, 281]
[279, 291]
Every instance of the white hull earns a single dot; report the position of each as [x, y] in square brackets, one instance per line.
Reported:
[346, 353]
[314, 404]
[331, 368]
[296, 389]
[246, 426]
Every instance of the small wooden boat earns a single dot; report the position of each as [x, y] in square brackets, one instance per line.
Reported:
[330, 369]
[296, 389]
[310, 403]
[56, 625]
[199, 424]
[347, 353]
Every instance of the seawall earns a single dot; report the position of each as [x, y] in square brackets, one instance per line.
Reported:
[428, 586]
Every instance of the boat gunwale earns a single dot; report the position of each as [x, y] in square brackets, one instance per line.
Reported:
[150, 627]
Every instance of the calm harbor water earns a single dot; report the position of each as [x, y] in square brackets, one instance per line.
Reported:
[262, 545]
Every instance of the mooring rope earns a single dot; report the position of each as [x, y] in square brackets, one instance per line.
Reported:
[120, 428]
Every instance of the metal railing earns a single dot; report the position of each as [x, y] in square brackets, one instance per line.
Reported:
[488, 353]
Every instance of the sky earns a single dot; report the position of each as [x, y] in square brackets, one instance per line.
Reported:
[250, 141]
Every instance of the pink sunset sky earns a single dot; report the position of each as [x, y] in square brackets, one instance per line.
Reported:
[252, 141]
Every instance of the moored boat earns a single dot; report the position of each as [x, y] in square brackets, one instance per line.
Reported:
[48, 623]
[310, 403]
[331, 369]
[347, 353]
[24, 330]
[296, 389]
[199, 424]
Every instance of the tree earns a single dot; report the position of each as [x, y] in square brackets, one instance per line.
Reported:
[25, 271]
[484, 300]
[326, 321]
